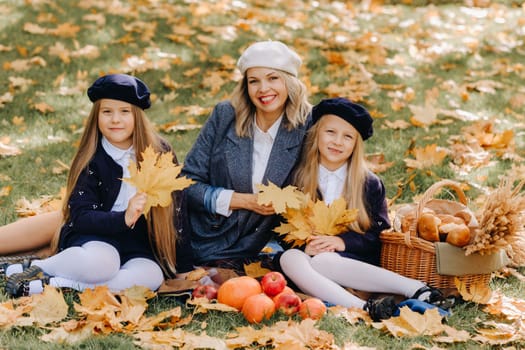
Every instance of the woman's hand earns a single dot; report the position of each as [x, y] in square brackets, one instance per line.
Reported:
[136, 206]
[249, 201]
[321, 244]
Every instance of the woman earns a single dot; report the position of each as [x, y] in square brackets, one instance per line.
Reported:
[254, 138]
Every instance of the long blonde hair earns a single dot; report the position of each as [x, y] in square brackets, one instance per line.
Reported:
[295, 111]
[306, 176]
[161, 225]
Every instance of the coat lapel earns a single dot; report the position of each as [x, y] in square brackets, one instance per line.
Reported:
[238, 155]
[285, 154]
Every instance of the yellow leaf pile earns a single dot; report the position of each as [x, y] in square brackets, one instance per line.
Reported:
[157, 176]
[305, 218]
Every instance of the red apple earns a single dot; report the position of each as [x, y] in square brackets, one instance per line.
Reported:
[286, 290]
[205, 291]
[273, 283]
[312, 308]
[288, 303]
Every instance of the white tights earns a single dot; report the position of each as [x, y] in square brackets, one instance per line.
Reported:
[325, 275]
[98, 263]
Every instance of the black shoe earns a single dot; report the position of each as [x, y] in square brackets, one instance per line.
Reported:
[16, 283]
[381, 309]
[435, 297]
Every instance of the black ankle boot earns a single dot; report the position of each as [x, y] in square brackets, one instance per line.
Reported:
[381, 309]
[435, 297]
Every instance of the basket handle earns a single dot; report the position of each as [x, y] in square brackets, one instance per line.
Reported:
[427, 196]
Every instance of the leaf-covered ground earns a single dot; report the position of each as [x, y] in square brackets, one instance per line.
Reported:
[444, 82]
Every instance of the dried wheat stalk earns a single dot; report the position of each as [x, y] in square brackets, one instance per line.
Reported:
[502, 223]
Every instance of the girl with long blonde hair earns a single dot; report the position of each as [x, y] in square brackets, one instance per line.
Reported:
[105, 239]
[333, 165]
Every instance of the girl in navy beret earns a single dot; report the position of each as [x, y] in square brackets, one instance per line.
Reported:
[105, 238]
[333, 165]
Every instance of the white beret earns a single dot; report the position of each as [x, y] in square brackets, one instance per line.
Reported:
[269, 54]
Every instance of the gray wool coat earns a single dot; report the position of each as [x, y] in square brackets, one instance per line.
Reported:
[220, 158]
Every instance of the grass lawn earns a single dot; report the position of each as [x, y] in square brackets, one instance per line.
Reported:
[444, 82]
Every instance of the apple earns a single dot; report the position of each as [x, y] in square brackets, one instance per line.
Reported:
[286, 290]
[313, 308]
[205, 291]
[273, 283]
[288, 303]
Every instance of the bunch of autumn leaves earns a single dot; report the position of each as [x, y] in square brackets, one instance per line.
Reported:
[304, 217]
[502, 223]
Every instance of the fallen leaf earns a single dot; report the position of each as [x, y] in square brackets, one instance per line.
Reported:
[477, 292]
[8, 150]
[426, 157]
[255, 270]
[48, 307]
[412, 324]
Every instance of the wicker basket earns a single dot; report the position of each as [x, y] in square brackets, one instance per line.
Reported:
[414, 257]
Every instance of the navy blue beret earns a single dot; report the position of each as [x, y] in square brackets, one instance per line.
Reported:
[120, 87]
[353, 113]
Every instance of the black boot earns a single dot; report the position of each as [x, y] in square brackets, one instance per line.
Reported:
[16, 282]
[381, 309]
[435, 297]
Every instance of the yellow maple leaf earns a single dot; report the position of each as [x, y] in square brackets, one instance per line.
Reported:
[315, 219]
[157, 177]
[49, 306]
[255, 270]
[426, 157]
[332, 219]
[423, 116]
[280, 198]
[43, 107]
[476, 292]
[411, 323]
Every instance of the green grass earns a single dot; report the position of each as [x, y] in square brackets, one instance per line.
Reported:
[385, 52]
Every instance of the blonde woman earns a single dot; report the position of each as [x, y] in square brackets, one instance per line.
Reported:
[105, 238]
[254, 138]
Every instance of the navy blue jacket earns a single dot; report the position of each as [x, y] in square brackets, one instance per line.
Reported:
[219, 158]
[91, 217]
[367, 247]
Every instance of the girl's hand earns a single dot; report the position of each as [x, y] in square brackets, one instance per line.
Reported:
[320, 244]
[249, 201]
[136, 206]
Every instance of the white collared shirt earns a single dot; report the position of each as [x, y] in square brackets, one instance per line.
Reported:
[332, 183]
[122, 158]
[262, 147]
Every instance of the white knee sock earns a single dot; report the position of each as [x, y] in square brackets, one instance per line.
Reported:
[297, 266]
[93, 262]
[135, 272]
[325, 275]
[363, 276]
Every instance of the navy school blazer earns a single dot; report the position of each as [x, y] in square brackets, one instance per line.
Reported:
[91, 217]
